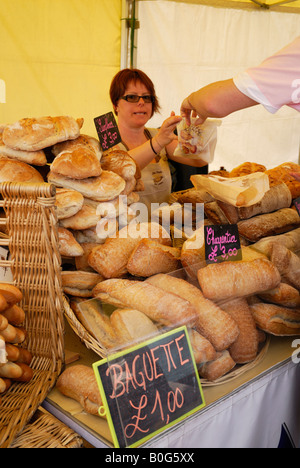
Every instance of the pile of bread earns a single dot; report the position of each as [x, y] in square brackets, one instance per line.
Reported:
[15, 359]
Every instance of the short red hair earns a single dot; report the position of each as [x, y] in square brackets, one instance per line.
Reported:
[123, 78]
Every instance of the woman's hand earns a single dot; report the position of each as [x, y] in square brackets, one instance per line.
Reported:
[165, 134]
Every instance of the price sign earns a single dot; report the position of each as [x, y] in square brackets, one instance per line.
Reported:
[148, 388]
[107, 130]
[297, 205]
[222, 243]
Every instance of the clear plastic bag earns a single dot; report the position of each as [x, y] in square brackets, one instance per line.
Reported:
[197, 141]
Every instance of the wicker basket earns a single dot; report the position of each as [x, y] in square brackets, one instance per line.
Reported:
[45, 431]
[31, 236]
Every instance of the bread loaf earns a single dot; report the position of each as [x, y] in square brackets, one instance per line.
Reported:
[288, 264]
[37, 158]
[14, 314]
[282, 174]
[110, 259]
[150, 257]
[96, 323]
[284, 295]
[203, 350]
[68, 246]
[68, 202]
[131, 325]
[247, 168]
[270, 224]
[78, 162]
[79, 383]
[211, 322]
[11, 370]
[85, 218]
[105, 187]
[230, 280]
[18, 171]
[159, 305]
[79, 283]
[245, 347]
[81, 262]
[279, 321]
[216, 369]
[121, 163]
[33, 134]
[291, 240]
[11, 293]
[85, 141]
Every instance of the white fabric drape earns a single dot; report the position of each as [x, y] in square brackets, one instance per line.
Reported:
[183, 47]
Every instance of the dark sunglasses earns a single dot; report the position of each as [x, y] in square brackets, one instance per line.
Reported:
[147, 98]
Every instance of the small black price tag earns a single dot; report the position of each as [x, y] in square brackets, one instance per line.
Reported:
[149, 387]
[297, 205]
[222, 243]
[107, 130]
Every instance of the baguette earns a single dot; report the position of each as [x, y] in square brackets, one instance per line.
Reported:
[211, 322]
[230, 280]
[203, 350]
[79, 383]
[160, 306]
[216, 369]
[279, 321]
[288, 264]
[245, 348]
[270, 224]
[14, 314]
[33, 134]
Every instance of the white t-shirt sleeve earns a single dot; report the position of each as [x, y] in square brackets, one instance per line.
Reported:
[247, 86]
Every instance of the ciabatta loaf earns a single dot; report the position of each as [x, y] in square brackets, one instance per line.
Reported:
[79, 383]
[230, 280]
[33, 134]
[160, 306]
[211, 321]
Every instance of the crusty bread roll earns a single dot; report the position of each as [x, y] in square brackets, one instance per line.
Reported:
[131, 325]
[95, 322]
[231, 280]
[288, 264]
[110, 259]
[81, 262]
[18, 171]
[105, 187]
[79, 163]
[216, 369]
[211, 322]
[79, 383]
[3, 322]
[33, 134]
[68, 202]
[37, 158]
[121, 163]
[79, 283]
[150, 257]
[269, 224]
[11, 293]
[159, 305]
[276, 320]
[14, 314]
[284, 295]
[67, 244]
[245, 347]
[11, 370]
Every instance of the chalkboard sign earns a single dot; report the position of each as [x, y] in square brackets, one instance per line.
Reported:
[107, 130]
[149, 387]
[222, 243]
[297, 205]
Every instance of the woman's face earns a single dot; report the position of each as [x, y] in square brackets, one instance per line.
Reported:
[134, 114]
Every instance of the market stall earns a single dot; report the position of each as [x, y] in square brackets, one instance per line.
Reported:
[214, 272]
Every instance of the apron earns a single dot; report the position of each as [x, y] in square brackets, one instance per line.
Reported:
[156, 177]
